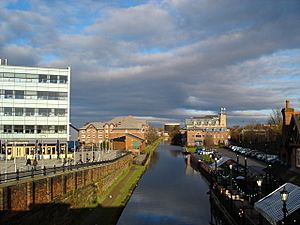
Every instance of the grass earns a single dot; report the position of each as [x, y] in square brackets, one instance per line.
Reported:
[127, 189]
[121, 190]
[191, 149]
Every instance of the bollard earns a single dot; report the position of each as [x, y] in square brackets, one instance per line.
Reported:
[63, 167]
[17, 175]
[44, 170]
[54, 167]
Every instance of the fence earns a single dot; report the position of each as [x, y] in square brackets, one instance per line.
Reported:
[38, 171]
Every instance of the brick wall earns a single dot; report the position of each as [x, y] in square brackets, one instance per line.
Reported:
[23, 195]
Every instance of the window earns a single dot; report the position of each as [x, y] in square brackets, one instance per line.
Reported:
[42, 78]
[42, 95]
[60, 112]
[18, 129]
[7, 128]
[89, 136]
[53, 79]
[94, 136]
[19, 111]
[298, 157]
[29, 129]
[63, 79]
[8, 94]
[29, 112]
[60, 129]
[43, 112]
[8, 111]
[83, 136]
[19, 94]
[83, 131]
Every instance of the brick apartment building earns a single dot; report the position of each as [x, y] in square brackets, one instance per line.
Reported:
[290, 153]
[121, 133]
[209, 128]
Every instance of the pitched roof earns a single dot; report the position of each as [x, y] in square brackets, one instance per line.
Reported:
[271, 206]
[126, 122]
[120, 122]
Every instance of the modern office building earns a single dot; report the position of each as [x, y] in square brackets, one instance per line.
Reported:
[207, 130]
[34, 111]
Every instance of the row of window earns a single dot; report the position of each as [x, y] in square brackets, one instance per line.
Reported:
[33, 78]
[11, 111]
[41, 95]
[93, 136]
[210, 129]
[33, 129]
[205, 135]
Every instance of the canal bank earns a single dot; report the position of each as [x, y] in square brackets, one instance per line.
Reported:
[108, 207]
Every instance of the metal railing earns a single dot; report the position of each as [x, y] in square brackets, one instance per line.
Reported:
[44, 171]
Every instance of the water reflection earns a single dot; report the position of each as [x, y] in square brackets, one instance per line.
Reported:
[170, 193]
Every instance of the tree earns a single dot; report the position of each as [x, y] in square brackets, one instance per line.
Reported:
[151, 135]
[275, 118]
[208, 142]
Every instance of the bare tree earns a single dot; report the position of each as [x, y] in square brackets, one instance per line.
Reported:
[151, 135]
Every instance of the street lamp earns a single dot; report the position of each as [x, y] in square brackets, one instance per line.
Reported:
[246, 168]
[230, 167]
[284, 194]
[237, 164]
[216, 165]
[259, 184]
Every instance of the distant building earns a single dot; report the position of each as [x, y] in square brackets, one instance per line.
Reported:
[122, 133]
[207, 130]
[34, 111]
[170, 127]
[290, 153]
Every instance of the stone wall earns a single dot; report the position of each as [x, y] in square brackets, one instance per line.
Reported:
[24, 195]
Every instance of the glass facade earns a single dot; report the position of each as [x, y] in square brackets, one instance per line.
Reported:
[34, 104]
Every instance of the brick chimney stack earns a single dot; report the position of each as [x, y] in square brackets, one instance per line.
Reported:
[287, 113]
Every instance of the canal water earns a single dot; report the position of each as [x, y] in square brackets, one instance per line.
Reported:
[169, 193]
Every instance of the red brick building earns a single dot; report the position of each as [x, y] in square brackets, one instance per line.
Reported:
[290, 153]
[124, 133]
[209, 128]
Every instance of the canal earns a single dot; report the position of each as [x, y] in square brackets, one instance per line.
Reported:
[169, 193]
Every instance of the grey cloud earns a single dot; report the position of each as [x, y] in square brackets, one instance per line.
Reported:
[209, 54]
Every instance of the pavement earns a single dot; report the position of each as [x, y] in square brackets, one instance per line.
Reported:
[10, 166]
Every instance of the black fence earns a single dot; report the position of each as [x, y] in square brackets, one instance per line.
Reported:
[38, 171]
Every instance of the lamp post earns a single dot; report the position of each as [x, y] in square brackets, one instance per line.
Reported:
[216, 165]
[284, 194]
[259, 184]
[230, 167]
[246, 169]
[237, 164]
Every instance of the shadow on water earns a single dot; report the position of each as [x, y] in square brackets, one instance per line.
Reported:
[62, 214]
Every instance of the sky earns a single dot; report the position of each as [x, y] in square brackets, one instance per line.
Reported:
[162, 60]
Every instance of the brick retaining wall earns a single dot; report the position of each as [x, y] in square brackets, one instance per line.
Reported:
[23, 195]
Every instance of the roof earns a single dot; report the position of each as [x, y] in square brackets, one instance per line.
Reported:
[121, 122]
[271, 206]
[220, 162]
[128, 134]
[126, 122]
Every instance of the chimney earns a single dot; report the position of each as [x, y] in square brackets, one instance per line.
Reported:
[287, 104]
[3, 62]
[287, 113]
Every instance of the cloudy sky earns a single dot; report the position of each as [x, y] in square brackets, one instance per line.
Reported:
[162, 60]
